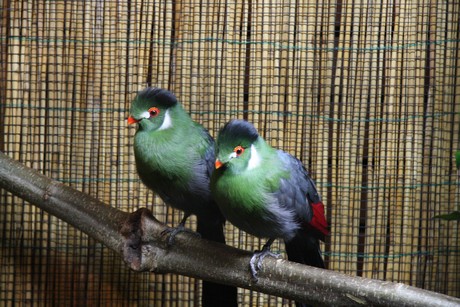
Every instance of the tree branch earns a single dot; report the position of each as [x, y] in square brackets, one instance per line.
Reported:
[137, 237]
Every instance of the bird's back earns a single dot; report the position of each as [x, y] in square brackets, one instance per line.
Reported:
[300, 192]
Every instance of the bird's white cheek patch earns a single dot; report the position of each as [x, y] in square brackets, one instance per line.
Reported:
[167, 123]
[254, 161]
[145, 115]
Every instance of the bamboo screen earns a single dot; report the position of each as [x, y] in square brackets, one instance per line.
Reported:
[365, 93]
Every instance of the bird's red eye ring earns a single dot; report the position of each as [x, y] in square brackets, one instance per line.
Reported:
[154, 111]
[238, 150]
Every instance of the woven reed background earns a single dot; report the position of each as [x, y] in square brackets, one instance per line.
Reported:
[366, 93]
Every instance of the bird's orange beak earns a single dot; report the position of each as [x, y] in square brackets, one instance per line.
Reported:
[218, 164]
[132, 120]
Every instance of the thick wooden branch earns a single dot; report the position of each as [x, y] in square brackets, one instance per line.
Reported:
[137, 237]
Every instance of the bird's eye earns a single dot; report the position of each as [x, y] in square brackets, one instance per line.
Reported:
[238, 150]
[154, 111]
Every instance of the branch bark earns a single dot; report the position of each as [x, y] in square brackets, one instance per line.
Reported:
[137, 237]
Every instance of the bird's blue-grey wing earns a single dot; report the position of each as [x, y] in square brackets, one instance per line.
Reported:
[297, 191]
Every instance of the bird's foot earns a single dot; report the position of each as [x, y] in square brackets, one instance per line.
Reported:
[174, 231]
[257, 258]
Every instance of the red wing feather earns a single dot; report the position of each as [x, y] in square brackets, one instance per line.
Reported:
[318, 220]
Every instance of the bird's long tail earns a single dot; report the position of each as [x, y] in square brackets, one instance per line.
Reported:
[215, 294]
[304, 248]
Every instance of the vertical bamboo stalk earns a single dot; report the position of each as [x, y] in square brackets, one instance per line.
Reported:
[453, 73]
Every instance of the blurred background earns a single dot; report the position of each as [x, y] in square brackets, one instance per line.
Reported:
[365, 93]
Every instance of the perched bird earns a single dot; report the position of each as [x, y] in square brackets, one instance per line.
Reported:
[267, 193]
[175, 158]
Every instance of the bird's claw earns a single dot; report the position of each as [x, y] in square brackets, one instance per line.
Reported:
[257, 259]
[174, 231]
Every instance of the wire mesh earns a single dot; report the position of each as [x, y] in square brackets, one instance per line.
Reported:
[365, 93]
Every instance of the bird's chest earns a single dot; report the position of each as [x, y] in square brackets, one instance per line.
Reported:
[161, 165]
[249, 204]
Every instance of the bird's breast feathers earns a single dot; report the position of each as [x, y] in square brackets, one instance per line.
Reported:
[249, 204]
[163, 154]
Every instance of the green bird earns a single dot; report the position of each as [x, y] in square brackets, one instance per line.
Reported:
[269, 194]
[175, 158]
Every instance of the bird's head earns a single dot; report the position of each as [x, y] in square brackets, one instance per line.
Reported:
[236, 146]
[151, 109]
